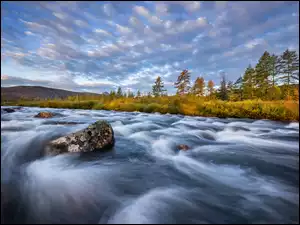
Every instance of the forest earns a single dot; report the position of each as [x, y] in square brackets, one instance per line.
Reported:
[268, 90]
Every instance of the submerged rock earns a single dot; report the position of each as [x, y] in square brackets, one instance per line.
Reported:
[11, 110]
[48, 115]
[183, 147]
[97, 136]
[44, 115]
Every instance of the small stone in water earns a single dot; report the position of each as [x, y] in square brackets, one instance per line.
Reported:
[183, 147]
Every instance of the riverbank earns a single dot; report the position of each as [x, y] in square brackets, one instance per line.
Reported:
[191, 106]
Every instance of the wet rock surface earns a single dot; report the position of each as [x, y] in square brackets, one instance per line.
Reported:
[97, 136]
[44, 115]
[183, 147]
[11, 110]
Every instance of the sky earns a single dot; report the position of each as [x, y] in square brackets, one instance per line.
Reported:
[99, 46]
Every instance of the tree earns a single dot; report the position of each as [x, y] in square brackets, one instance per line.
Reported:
[289, 68]
[130, 94]
[230, 89]
[223, 88]
[248, 83]
[210, 87]
[157, 88]
[198, 87]
[237, 92]
[138, 94]
[149, 94]
[274, 68]
[183, 82]
[262, 73]
[112, 93]
[119, 92]
[229, 85]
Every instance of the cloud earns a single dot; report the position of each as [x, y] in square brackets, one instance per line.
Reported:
[12, 81]
[141, 10]
[108, 9]
[255, 42]
[108, 44]
[104, 32]
[192, 6]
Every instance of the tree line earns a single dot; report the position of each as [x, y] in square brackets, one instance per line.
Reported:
[274, 77]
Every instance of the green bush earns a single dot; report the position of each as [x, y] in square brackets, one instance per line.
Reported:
[153, 107]
[99, 106]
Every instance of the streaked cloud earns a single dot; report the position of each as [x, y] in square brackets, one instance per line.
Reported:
[102, 45]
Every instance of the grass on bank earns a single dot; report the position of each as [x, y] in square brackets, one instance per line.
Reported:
[186, 105]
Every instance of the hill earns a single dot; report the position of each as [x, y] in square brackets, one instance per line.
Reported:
[36, 92]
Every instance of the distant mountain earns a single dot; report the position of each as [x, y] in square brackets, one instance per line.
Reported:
[34, 92]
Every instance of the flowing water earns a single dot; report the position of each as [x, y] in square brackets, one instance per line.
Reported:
[236, 171]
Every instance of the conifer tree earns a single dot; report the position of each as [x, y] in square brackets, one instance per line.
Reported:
[248, 82]
[158, 87]
[223, 88]
[119, 92]
[183, 82]
[289, 69]
[262, 73]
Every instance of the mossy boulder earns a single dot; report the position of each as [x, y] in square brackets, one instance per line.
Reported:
[99, 136]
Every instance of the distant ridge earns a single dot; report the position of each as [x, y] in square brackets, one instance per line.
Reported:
[34, 92]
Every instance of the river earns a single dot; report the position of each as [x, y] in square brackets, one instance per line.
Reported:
[236, 171]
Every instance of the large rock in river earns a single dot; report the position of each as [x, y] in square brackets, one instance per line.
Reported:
[44, 115]
[97, 136]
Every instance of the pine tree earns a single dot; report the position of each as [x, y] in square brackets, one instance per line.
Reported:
[289, 68]
[138, 94]
[158, 87]
[149, 94]
[183, 82]
[262, 73]
[112, 93]
[198, 87]
[130, 94]
[223, 88]
[248, 83]
[119, 92]
[230, 89]
[237, 89]
[274, 68]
